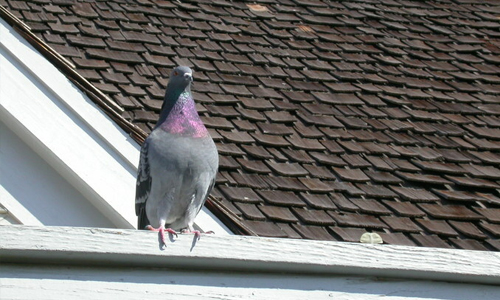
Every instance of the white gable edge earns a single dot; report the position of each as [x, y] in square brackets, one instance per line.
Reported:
[62, 124]
[132, 248]
[79, 282]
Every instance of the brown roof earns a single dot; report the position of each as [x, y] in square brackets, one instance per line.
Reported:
[331, 118]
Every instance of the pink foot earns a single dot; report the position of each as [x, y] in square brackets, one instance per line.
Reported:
[162, 231]
[197, 233]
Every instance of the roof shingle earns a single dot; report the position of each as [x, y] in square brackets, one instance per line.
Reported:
[330, 118]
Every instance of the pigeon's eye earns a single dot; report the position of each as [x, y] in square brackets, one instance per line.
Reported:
[176, 73]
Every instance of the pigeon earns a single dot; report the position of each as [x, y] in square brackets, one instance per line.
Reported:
[178, 163]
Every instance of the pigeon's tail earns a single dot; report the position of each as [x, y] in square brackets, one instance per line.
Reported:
[142, 221]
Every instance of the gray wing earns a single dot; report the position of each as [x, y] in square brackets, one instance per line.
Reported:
[143, 187]
[210, 157]
[210, 187]
[197, 179]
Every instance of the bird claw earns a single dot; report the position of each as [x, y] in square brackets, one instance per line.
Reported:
[162, 231]
[197, 233]
[171, 231]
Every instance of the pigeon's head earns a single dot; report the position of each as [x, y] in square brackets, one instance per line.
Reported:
[181, 77]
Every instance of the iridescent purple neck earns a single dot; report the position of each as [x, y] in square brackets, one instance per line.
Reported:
[183, 119]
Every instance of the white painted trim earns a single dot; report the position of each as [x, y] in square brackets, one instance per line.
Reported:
[54, 282]
[18, 211]
[41, 106]
[116, 247]
[207, 221]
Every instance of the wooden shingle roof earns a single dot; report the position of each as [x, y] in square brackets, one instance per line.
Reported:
[331, 118]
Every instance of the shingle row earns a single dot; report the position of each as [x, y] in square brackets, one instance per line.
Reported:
[331, 119]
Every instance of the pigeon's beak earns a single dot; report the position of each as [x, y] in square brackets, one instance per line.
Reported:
[188, 76]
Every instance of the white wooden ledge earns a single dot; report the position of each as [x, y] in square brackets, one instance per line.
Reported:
[126, 248]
